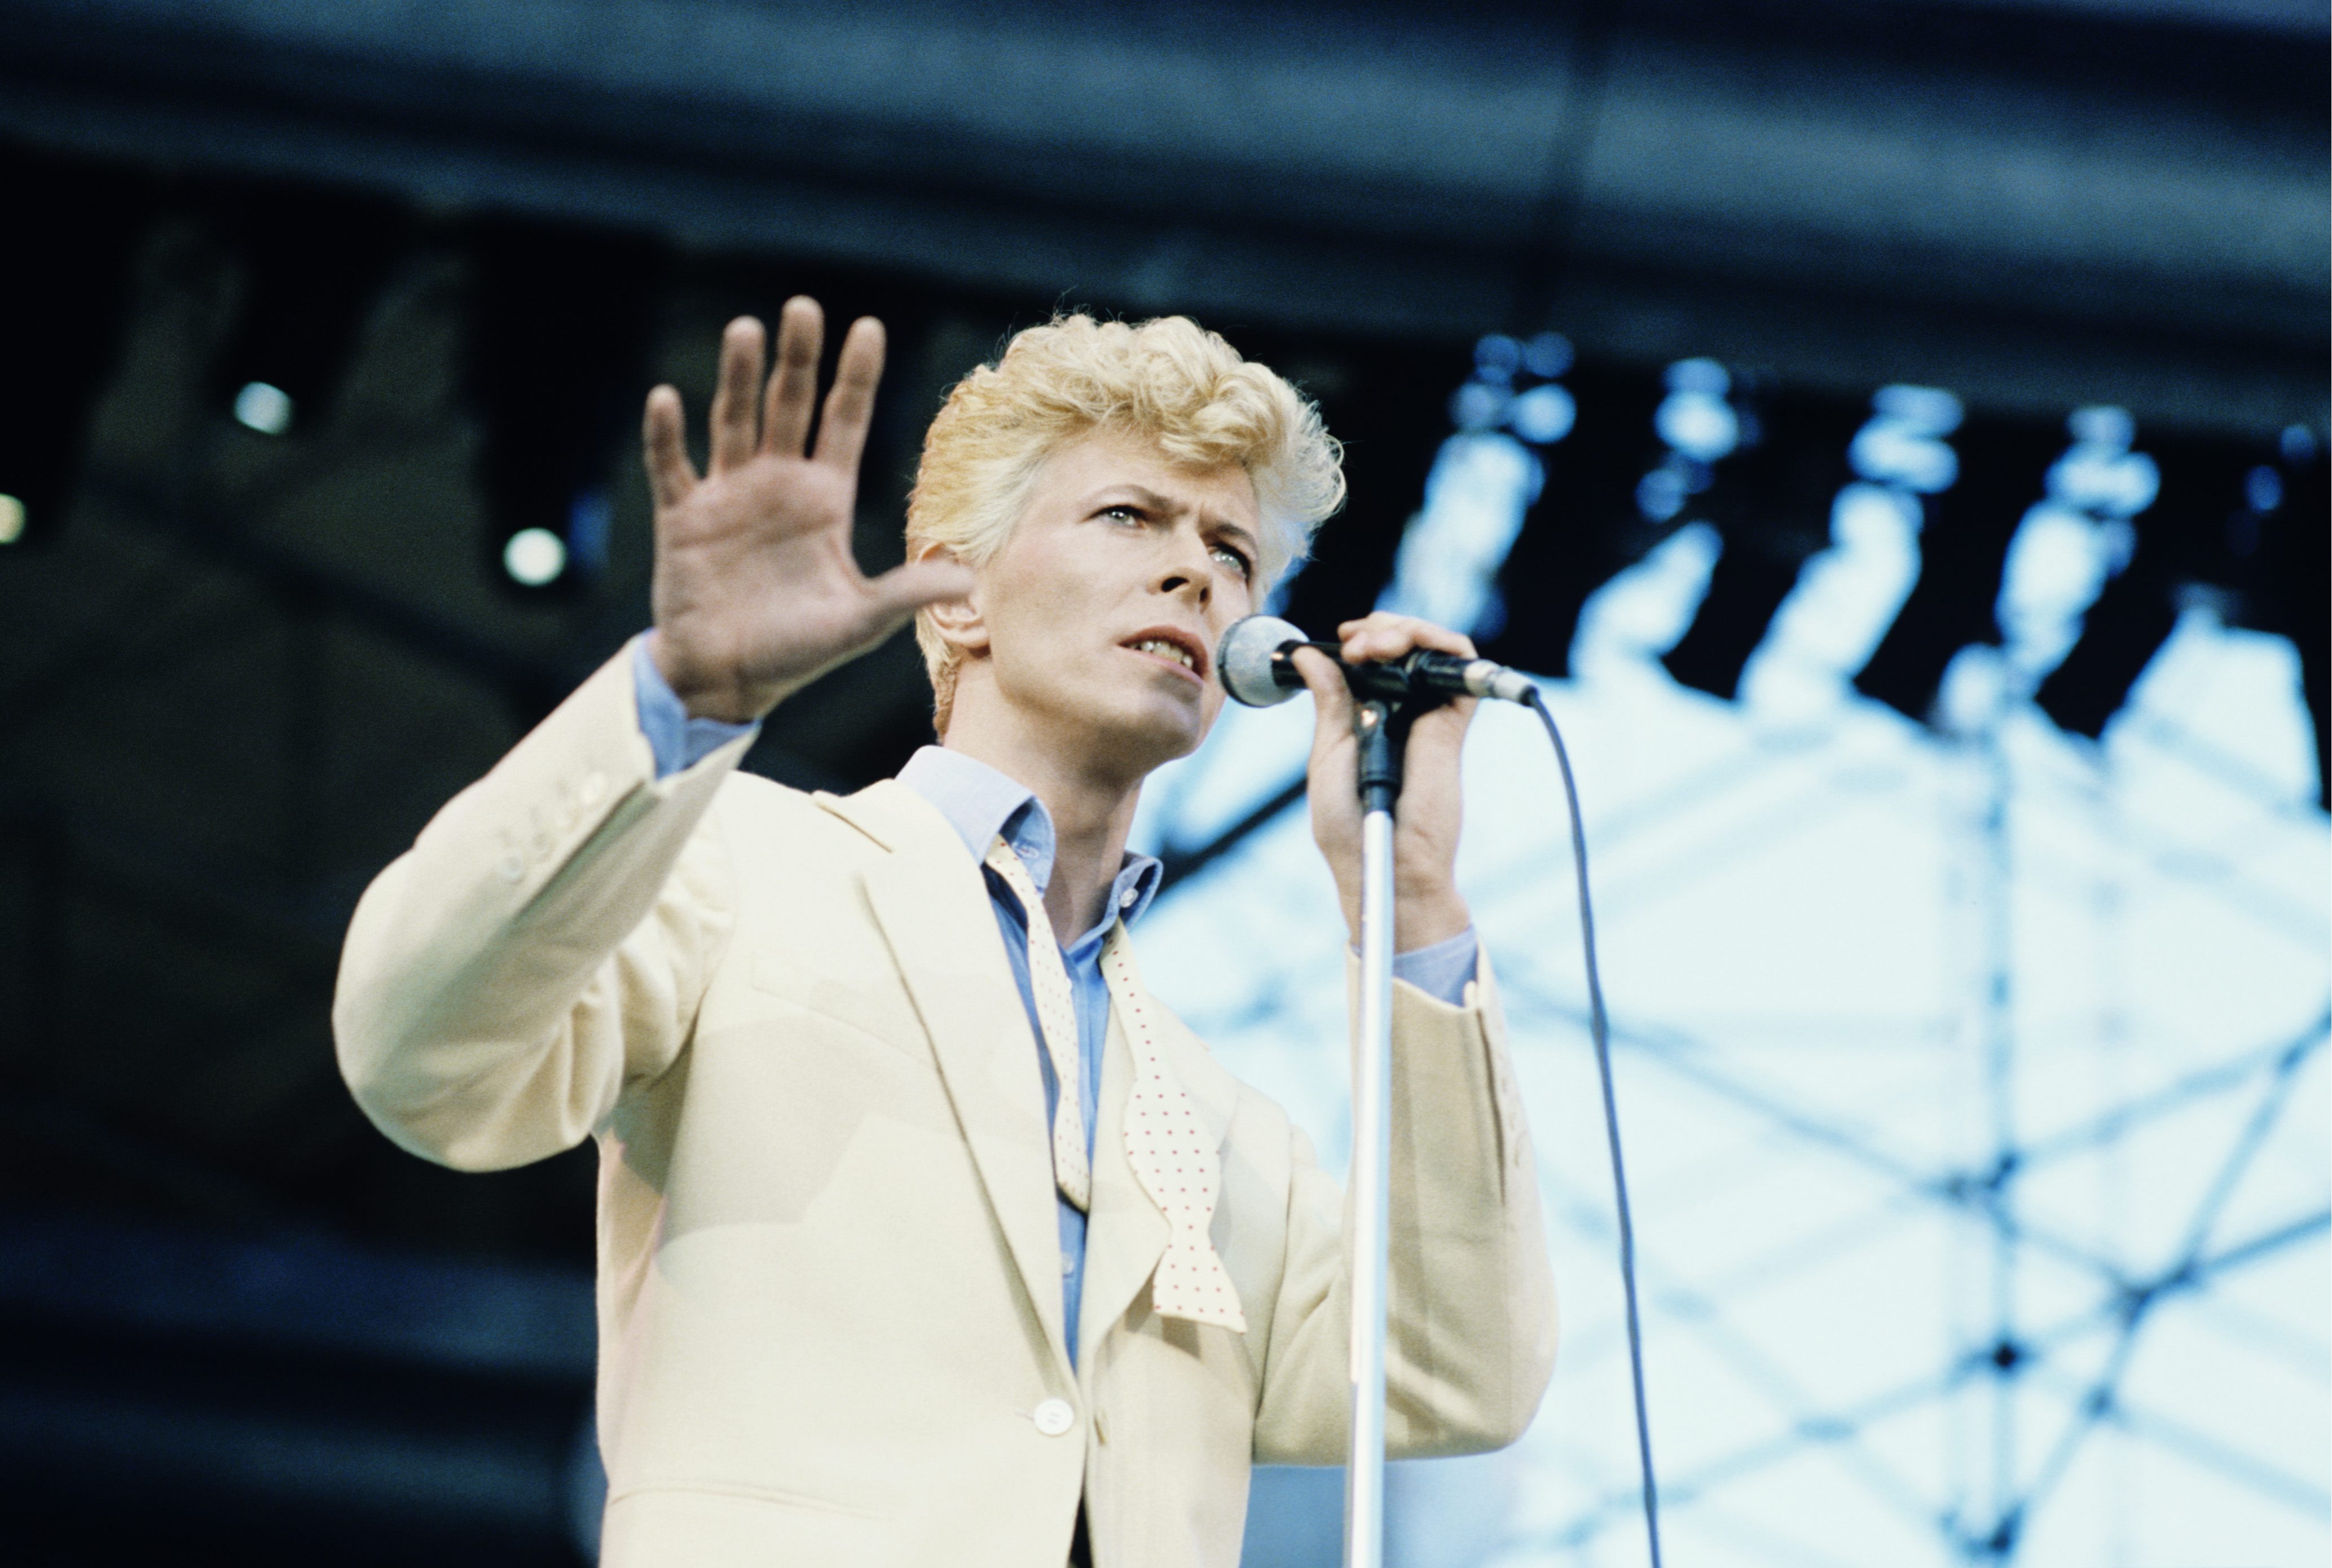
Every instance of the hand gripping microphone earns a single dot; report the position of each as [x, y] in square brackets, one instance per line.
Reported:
[1257, 669]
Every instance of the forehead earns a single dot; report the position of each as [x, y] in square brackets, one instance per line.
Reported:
[1105, 461]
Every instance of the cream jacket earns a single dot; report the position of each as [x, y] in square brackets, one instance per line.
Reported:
[829, 1295]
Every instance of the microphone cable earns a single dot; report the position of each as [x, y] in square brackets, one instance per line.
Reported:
[1253, 663]
[1600, 1028]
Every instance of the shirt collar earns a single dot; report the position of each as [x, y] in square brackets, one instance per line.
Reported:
[980, 803]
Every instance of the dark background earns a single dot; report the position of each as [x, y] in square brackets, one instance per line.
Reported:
[239, 670]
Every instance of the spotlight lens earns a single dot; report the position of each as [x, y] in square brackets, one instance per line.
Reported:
[534, 556]
[12, 519]
[263, 407]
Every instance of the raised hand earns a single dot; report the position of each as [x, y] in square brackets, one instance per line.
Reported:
[756, 593]
[1427, 908]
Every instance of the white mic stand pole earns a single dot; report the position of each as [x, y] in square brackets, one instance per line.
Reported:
[1379, 784]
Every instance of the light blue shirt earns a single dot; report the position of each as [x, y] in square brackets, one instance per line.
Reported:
[980, 804]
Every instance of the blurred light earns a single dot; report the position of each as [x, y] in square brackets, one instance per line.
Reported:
[2110, 482]
[1543, 415]
[1549, 355]
[1894, 450]
[588, 522]
[1660, 494]
[2299, 444]
[1931, 410]
[1703, 376]
[2263, 488]
[1478, 406]
[2101, 425]
[1698, 423]
[2101, 475]
[263, 406]
[12, 519]
[1497, 357]
[534, 556]
[1446, 568]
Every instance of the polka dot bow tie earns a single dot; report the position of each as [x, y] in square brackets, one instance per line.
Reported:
[1174, 1158]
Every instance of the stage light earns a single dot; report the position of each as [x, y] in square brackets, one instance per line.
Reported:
[1589, 523]
[1661, 493]
[11, 519]
[1543, 415]
[534, 557]
[1697, 420]
[312, 265]
[263, 406]
[61, 318]
[1478, 406]
[558, 349]
[1771, 500]
[2000, 469]
[1549, 355]
[1497, 357]
[1903, 445]
[2263, 488]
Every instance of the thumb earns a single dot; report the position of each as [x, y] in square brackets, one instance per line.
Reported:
[904, 589]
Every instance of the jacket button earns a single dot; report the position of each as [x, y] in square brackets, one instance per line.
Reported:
[1054, 1417]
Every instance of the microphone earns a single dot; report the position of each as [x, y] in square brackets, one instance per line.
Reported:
[1255, 669]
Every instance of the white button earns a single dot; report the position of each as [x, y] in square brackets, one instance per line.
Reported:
[1068, 1263]
[1027, 852]
[594, 785]
[1054, 1417]
[1125, 900]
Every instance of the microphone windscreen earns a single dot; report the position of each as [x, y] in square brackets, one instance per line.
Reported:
[1243, 656]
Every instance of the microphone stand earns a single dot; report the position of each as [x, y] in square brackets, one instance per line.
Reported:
[1381, 728]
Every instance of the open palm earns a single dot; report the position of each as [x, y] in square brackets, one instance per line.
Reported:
[756, 592]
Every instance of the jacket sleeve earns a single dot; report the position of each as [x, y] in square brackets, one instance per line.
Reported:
[1471, 1341]
[544, 943]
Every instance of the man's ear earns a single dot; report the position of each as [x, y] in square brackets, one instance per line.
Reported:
[960, 622]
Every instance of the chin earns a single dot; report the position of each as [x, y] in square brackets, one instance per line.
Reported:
[1149, 737]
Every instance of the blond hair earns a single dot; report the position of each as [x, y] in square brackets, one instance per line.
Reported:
[1169, 380]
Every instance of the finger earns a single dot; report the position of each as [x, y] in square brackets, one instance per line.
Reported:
[842, 436]
[904, 589]
[671, 476]
[792, 392]
[1385, 636]
[736, 397]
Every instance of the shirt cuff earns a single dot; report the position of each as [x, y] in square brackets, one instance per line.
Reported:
[677, 742]
[1441, 970]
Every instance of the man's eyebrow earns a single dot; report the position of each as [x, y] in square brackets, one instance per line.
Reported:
[1142, 494]
[1150, 500]
[1233, 530]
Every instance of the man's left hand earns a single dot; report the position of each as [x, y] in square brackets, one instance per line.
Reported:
[1425, 905]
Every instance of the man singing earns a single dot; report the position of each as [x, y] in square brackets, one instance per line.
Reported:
[927, 1236]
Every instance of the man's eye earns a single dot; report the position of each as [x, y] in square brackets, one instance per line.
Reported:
[1240, 562]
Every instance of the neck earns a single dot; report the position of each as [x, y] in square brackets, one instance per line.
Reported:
[1092, 808]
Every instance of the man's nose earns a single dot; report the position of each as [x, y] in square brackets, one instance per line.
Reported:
[1185, 571]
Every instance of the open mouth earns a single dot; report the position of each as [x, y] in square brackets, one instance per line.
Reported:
[1170, 647]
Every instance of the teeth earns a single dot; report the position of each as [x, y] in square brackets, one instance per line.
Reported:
[1166, 650]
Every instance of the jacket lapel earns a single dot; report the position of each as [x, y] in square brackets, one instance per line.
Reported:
[933, 904]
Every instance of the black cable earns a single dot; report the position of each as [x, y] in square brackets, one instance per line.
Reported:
[1599, 1027]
